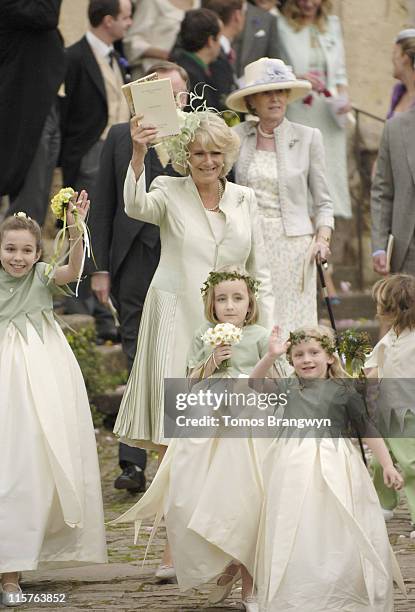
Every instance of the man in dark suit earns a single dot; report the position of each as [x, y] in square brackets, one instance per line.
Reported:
[32, 68]
[258, 39]
[199, 46]
[232, 15]
[127, 251]
[94, 100]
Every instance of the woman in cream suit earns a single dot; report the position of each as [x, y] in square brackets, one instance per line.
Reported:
[310, 40]
[205, 223]
[283, 163]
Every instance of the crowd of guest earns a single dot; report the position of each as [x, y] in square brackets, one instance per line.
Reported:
[261, 184]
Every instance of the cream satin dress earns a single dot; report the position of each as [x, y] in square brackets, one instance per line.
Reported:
[51, 512]
[209, 489]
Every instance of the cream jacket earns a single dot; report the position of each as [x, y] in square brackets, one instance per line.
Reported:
[301, 172]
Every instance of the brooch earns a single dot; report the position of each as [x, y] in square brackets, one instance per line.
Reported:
[241, 198]
[292, 142]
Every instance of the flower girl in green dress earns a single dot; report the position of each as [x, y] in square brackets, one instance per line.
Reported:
[209, 489]
[51, 511]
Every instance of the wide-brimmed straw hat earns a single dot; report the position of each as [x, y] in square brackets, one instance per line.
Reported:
[267, 74]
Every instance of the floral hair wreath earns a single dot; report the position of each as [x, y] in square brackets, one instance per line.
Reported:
[176, 148]
[327, 343]
[22, 215]
[215, 278]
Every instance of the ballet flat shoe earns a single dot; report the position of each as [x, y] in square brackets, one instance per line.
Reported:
[221, 591]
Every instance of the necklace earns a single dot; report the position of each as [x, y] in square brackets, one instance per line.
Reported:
[220, 194]
[264, 134]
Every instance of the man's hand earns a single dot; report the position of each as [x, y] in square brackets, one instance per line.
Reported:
[101, 285]
[380, 264]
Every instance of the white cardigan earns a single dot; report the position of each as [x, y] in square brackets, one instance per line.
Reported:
[301, 171]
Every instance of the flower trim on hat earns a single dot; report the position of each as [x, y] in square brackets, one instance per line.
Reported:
[176, 148]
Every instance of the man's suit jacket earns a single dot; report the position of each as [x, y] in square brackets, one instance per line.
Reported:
[84, 109]
[223, 78]
[113, 233]
[258, 39]
[32, 67]
[198, 76]
[393, 189]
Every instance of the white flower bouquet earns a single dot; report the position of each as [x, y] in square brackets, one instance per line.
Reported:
[222, 333]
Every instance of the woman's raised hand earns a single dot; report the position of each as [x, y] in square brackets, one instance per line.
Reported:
[276, 345]
[142, 135]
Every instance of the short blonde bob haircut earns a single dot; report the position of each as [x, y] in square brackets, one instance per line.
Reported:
[292, 13]
[395, 300]
[318, 332]
[209, 299]
[213, 134]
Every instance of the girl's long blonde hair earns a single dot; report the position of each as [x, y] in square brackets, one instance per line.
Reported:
[326, 337]
[292, 13]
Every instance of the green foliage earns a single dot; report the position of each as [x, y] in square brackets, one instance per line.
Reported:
[91, 362]
[353, 347]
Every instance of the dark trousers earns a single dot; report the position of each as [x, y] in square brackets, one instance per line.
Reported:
[129, 290]
[33, 198]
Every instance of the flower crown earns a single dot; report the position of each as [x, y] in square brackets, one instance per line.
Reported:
[215, 278]
[22, 215]
[327, 343]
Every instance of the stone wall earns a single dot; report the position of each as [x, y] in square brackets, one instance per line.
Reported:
[74, 21]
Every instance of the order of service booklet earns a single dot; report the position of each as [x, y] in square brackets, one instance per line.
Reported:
[154, 99]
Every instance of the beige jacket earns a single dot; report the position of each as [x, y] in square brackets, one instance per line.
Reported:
[301, 172]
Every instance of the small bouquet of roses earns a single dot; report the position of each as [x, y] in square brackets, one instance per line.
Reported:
[222, 333]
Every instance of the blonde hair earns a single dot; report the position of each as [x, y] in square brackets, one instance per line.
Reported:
[321, 332]
[209, 299]
[408, 48]
[22, 223]
[292, 13]
[395, 298]
[214, 133]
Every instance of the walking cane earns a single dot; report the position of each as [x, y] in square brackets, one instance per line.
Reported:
[325, 293]
[320, 265]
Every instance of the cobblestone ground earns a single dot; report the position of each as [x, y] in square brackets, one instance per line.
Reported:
[125, 585]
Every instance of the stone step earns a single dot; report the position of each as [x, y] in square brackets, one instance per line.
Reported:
[353, 305]
[112, 354]
[346, 273]
[75, 321]
[108, 403]
[113, 357]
